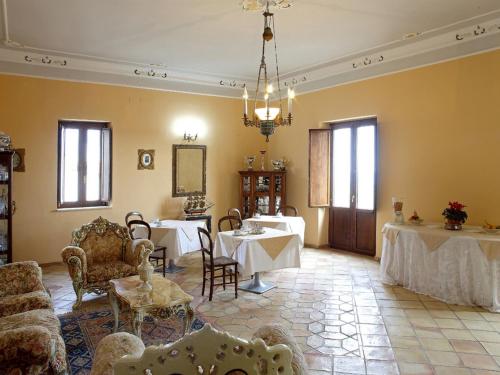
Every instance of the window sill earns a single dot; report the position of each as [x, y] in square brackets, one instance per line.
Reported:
[82, 208]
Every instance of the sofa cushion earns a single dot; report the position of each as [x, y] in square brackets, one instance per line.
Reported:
[45, 318]
[109, 270]
[15, 304]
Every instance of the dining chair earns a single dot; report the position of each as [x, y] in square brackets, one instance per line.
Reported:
[234, 212]
[285, 210]
[232, 223]
[212, 264]
[160, 252]
[130, 216]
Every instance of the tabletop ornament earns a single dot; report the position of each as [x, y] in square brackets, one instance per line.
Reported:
[249, 160]
[455, 216]
[397, 205]
[196, 204]
[145, 271]
[415, 219]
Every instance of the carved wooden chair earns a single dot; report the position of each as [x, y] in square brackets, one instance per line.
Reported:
[289, 211]
[234, 212]
[101, 251]
[160, 252]
[229, 223]
[209, 351]
[212, 265]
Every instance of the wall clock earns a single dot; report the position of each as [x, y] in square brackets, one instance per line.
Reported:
[146, 159]
[18, 160]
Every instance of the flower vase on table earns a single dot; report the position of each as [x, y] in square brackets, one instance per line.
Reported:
[455, 216]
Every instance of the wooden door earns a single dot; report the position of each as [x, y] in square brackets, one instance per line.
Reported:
[353, 186]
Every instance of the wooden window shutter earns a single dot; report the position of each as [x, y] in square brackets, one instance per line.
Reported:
[319, 167]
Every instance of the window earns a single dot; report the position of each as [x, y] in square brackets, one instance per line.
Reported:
[84, 169]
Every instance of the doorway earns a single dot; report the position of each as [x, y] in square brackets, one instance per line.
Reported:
[353, 179]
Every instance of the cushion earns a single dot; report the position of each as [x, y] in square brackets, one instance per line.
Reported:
[10, 305]
[109, 270]
[274, 334]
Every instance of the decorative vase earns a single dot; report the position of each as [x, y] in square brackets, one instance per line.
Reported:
[453, 225]
[145, 271]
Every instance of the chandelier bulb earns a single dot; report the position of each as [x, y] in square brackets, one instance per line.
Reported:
[270, 88]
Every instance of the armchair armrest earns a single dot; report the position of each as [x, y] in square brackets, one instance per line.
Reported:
[134, 251]
[26, 349]
[20, 277]
[76, 259]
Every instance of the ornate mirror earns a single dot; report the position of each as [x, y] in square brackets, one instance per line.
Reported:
[188, 170]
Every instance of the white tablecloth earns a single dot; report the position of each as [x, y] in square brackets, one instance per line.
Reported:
[252, 255]
[180, 237]
[457, 267]
[290, 224]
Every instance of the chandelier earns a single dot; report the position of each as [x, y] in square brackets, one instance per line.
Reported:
[253, 5]
[265, 117]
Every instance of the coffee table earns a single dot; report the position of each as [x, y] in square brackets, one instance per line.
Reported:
[166, 299]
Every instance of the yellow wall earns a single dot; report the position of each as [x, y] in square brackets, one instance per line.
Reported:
[29, 111]
[439, 137]
[439, 130]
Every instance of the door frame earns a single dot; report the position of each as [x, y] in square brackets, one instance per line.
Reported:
[354, 124]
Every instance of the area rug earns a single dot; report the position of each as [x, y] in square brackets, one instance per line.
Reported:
[82, 331]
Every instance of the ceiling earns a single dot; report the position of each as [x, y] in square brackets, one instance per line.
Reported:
[216, 43]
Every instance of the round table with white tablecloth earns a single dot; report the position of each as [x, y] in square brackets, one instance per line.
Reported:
[457, 267]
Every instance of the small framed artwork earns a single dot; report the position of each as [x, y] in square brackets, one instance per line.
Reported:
[18, 160]
[146, 159]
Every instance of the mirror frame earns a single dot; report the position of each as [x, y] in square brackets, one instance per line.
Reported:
[174, 168]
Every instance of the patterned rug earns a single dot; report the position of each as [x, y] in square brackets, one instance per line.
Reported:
[82, 331]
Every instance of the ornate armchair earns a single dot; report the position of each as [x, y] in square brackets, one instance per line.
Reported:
[101, 251]
[22, 288]
[205, 351]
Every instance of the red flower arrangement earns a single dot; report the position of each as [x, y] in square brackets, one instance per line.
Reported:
[455, 213]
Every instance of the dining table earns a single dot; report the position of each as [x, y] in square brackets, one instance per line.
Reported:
[255, 253]
[178, 236]
[290, 224]
[457, 267]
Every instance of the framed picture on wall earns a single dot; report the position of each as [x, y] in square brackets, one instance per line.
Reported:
[146, 159]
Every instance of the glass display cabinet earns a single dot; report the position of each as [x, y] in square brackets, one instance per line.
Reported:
[262, 191]
[6, 207]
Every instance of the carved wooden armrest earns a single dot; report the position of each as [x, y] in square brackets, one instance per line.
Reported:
[76, 259]
[20, 277]
[27, 350]
[133, 256]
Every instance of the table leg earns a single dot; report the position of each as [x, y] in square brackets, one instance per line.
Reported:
[115, 308]
[188, 319]
[172, 268]
[137, 318]
[256, 285]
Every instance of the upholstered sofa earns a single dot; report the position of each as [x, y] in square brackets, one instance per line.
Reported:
[30, 340]
[101, 251]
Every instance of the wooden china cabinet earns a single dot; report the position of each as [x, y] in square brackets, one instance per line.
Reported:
[262, 191]
[6, 207]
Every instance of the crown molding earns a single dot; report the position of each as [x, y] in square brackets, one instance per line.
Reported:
[465, 38]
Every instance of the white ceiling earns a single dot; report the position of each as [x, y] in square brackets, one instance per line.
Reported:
[217, 39]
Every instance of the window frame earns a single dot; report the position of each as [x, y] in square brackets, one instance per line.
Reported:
[82, 126]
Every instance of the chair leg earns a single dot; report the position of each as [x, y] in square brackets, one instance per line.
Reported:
[236, 281]
[164, 262]
[204, 279]
[212, 274]
[224, 278]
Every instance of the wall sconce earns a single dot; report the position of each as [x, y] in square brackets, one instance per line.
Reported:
[190, 137]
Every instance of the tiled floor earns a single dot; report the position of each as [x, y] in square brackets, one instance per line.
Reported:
[346, 320]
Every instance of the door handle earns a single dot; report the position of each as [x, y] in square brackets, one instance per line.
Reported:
[353, 198]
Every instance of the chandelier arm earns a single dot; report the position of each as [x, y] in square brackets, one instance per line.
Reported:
[277, 68]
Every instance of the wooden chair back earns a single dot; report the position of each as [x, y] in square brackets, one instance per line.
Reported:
[131, 214]
[234, 212]
[233, 221]
[285, 210]
[209, 351]
[206, 246]
[133, 224]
